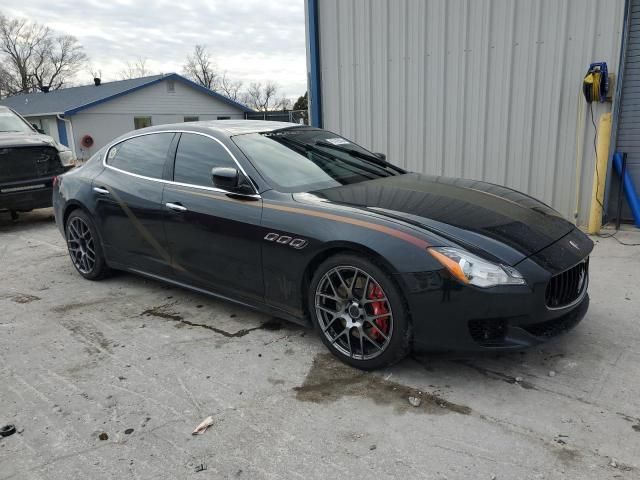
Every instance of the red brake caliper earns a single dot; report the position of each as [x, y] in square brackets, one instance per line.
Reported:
[379, 308]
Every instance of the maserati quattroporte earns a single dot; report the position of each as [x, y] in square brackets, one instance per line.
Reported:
[308, 226]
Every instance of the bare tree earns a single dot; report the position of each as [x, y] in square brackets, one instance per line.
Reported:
[264, 97]
[136, 69]
[34, 57]
[230, 88]
[201, 69]
[56, 60]
[5, 81]
[19, 43]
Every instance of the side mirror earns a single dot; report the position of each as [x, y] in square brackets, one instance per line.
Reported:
[381, 156]
[229, 179]
[225, 178]
[38, 129]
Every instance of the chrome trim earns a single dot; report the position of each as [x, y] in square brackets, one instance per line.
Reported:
[103, 191]
[576, 301]
[171, 182]
[584, 290]
[176, 207]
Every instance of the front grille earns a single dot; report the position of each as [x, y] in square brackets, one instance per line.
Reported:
[566, 287]
[25, 163]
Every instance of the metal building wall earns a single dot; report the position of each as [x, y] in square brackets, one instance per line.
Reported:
[482, 89]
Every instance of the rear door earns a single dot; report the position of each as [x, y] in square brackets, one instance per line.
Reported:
[214, 237]
[128, 199]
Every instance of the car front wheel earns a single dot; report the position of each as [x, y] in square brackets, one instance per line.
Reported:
[359, 312]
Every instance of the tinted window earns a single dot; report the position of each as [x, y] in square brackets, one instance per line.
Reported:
[145, 155]
[195, 158]
[302, 159]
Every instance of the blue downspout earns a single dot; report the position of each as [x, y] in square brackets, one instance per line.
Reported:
[315, 93]
[616, 101]
[62, 132]
[629, 189]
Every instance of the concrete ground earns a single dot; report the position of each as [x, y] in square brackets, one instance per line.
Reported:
[144, 363]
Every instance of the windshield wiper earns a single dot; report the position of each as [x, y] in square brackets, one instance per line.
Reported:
[314, 148]
[354, 153]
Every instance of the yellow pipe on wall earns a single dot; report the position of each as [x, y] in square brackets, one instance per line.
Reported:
[600, 173]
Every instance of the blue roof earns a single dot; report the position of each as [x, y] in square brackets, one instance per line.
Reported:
[68, 101]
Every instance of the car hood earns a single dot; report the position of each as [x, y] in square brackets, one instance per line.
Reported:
[16, 139]
[503, 223]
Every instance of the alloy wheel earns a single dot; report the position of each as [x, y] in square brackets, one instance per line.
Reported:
[354, 312]
[81, 246]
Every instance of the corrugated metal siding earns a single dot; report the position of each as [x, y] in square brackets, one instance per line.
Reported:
[628, 136]
[482, 89]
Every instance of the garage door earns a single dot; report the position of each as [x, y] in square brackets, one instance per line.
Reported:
[628, 138]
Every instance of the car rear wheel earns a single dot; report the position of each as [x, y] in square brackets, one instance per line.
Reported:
[84, 247]
[359, 312]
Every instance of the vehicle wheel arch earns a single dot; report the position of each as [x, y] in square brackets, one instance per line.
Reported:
[336, 248]
[72, 206]
[69, 208]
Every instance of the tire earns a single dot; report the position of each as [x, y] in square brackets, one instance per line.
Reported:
[365, 325]
[83, 245]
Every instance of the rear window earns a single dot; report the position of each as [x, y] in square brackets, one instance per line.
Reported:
[145, 155]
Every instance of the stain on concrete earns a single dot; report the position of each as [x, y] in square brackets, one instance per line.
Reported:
[162, 311]
[21, 297]
[567, 456]
[165, 311]
[69, 307]
[497, 375]
[329, 380]
[93, 339]
[275, 381]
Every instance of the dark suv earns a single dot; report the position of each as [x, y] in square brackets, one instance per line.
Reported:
[29, 161]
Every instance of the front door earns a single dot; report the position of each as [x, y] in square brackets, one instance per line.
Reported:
[214, 237]
[128, 199]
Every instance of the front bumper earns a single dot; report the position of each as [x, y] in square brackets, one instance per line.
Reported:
[26, 195]
[449, 316]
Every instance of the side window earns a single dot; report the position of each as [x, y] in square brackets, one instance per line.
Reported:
[145, 155]
[195, 158]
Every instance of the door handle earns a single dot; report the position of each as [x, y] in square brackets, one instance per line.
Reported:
[101, 190]
[176, 207]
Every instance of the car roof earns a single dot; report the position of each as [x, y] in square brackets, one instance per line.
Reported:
[227, 127]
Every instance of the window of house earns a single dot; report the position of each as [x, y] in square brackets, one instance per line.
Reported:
[145, 155]
[191, 119]
[171, 86]
[224, 118]
[141, 122]
[195, 158]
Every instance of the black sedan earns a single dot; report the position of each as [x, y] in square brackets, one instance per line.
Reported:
[308, 226]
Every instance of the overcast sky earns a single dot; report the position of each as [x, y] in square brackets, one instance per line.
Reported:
[253, 40]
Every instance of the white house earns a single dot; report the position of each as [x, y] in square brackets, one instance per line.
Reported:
[88, 117]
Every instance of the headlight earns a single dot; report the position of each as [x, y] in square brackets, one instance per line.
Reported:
[66, 157]
[470, 269]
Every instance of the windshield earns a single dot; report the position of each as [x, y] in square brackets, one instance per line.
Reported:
[10, 122]
[302, 159]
